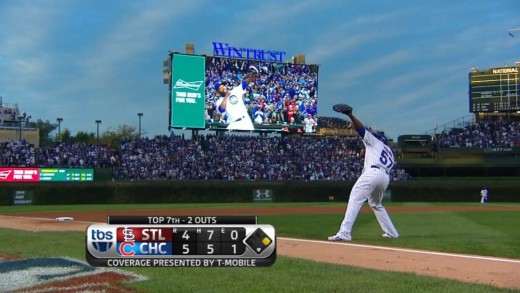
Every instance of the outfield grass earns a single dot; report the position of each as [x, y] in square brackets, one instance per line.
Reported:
[492, 233]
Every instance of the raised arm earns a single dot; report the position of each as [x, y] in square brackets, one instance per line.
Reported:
[252, 77]
[347, 110]
[355, 121]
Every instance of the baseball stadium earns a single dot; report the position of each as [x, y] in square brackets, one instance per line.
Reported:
[62, 195]
[249, 188]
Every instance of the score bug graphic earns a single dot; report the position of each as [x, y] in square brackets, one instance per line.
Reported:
[101, 239]
[143, 241]
[224, 245]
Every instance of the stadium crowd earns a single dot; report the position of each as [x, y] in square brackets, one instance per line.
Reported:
[485, 133]
[205, 158]
[240, 157]
[283, 93]
[70, 155]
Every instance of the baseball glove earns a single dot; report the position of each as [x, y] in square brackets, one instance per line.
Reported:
[342, 108]
[253, 69]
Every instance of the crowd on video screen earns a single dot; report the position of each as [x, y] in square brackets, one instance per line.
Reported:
[284, 93]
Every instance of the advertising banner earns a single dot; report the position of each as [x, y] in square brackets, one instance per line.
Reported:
[188, 91]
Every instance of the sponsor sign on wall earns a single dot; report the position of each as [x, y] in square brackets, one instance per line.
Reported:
[23, 197]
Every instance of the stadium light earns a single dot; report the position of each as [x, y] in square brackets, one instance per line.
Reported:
[20, 118]
[140, 115]
[167, 70]
[59, 128]
[97, 133]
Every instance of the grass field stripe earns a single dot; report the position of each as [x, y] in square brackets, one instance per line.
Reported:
[50, 220]
[404, 250]
[340, 243]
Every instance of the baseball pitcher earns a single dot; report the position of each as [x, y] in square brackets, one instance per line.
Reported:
[371, 185]
[232, 103]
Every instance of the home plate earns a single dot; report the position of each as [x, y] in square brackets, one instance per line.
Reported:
[64, 219]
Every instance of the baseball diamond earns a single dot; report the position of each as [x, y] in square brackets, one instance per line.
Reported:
[498, 272]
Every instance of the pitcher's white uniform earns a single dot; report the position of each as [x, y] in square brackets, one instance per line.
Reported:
[371, 186]
[236, 111]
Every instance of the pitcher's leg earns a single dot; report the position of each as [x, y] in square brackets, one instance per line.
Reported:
[382, 215]
[360, 192]
[353, 208]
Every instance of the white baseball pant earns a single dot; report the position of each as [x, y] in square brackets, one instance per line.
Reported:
[371, 186]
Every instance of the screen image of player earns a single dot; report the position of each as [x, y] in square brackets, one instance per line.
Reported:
[283, 94]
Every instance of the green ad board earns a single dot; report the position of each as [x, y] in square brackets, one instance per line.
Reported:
[64, 175]
[188, 93]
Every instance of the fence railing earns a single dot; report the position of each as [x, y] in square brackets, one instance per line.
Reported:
[457, 123]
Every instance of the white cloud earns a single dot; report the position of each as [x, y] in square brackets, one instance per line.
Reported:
[360, 71]
[352, 34]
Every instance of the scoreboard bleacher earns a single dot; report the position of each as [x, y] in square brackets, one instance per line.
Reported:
[496, 89]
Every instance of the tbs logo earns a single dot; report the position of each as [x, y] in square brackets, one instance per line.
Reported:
[101, 240]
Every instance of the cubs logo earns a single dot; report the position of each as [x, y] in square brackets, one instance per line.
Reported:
[233, 99]
[60, 274]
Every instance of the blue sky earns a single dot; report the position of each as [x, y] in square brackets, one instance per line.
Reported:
[403, 65]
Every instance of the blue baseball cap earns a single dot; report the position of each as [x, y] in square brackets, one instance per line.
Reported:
[218, 83]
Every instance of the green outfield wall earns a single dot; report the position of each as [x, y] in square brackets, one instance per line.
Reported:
[469, 166]
[251, 191]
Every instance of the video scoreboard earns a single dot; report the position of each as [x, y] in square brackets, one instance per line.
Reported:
[188, 241]
[496, 89]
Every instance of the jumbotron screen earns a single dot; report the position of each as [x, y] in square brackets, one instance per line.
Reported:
[283, 94]
[496, 89]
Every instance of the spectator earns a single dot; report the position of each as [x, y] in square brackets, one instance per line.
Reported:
[208, 158]
[486, 133]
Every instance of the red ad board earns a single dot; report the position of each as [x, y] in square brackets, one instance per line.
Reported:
[19, 174]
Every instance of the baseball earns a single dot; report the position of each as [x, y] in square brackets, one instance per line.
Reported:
[253, 68]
